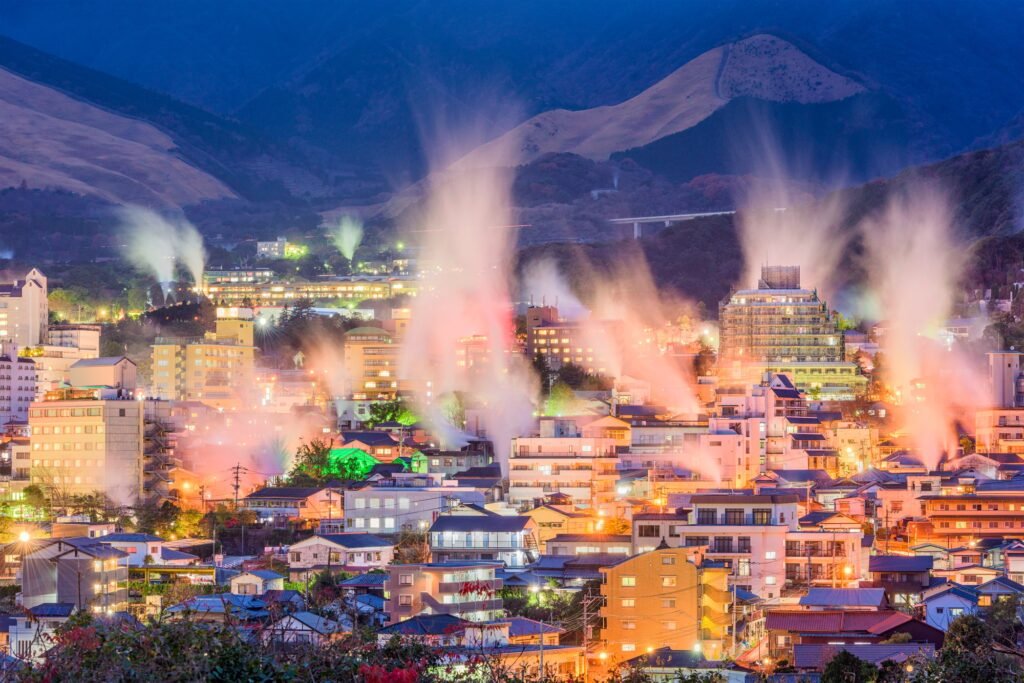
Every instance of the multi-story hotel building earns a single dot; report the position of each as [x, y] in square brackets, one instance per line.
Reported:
[781, 327]
[17, 385]
[561, 342]
[371, 364]
[217, 369]
[256, 291]
[86, 442]
[24, 310]
[580, 467]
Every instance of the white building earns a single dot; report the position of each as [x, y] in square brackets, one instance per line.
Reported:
[580, 467]
[24, 310]
[349, 552]
[400, 504]
[272, 249]
[17, 384]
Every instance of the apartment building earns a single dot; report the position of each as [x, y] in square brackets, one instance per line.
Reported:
[404, 504]
[24, 310]
[553, 520]
[84, 572]
[582, 468]
[973, 511]
[464, 589]
[665, 597]
[86, 441]
[216, 369]
[65, 345]
[484, 536]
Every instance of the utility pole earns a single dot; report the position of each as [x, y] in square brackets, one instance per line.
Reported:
[237, 483]
[586, 632]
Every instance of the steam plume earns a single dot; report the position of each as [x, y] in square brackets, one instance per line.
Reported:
[155, 243]
[347, 235]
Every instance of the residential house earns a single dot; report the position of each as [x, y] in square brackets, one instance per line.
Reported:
[341, 552]
[904, 577]
[586, 544]
[943, 604]
[404, 503]
[818, 599]
[136, 546]
[33, 633]
[560, 519]
[649, 528]
[280, 505]
[788, 628]
[302, 628]
[256, 582]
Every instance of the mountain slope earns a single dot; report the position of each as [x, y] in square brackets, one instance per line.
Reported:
[51, 141]
[762, 67]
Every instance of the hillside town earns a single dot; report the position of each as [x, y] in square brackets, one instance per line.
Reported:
[744, 502]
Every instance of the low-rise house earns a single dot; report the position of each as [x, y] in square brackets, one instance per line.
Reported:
[945, 603]
[436, 630]
[279, 505]
[220, 608]
[339, 552]
[816, 656]
[468, 590]
[845, 599]
[999, 588]
[32, 634]
[560, 519]
[137, 547]
[588, 544]
[968, 575]
[904, 577]
[256, 582]
[302, 628]
[788, 628]
[485, 536]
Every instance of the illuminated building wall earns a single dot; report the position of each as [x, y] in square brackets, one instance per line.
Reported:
[217, 369]
[783, 328]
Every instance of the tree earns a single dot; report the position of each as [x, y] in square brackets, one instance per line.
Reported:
[848, 668]
[412, 548]
[312, 461]
[704, 361]
[390, 411]
[35, 498]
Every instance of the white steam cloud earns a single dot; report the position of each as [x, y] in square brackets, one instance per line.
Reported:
[155, 243]
[347, 236]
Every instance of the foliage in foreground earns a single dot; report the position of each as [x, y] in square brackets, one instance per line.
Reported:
[98, 650]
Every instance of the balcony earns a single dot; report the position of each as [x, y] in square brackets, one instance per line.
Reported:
[457, 587]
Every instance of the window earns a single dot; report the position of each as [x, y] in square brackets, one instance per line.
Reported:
[769, 555]
[629, 647]
[762, 517]
[405, 579]
[405, 600]
[668, 603]
[648, 531]
[743, 568]
[668, 559]
[668, 581]
[734, 516]
[769, 580]
[628, 625]
[628, 580]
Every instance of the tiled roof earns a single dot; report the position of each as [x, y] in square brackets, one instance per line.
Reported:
[130, 538]
[816, 655]
[831, 621]
[288, 492]
[595, 538]
[480, 523]
[53, 609]
[521, 626]
[900, 563]
[356, 540]
[844, 597]
[426, 625]
[371, 580]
